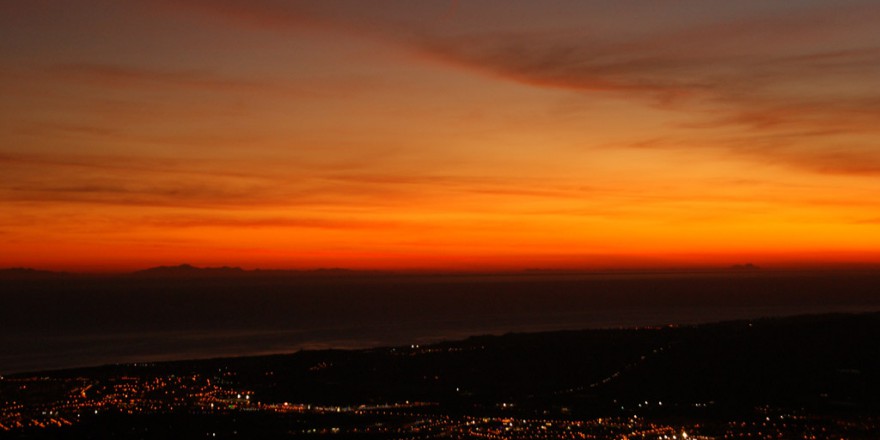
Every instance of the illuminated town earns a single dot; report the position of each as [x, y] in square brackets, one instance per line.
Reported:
[401, 219]
[240, 398]
[85, 397]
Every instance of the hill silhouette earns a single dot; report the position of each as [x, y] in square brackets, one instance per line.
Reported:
[27, 273]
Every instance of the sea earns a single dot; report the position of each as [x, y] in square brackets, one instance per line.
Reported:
[76, 321]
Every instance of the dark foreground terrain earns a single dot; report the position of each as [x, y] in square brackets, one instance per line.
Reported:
[801, 377]
[58, 321]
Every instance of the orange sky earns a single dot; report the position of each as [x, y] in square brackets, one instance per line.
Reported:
[444, 135]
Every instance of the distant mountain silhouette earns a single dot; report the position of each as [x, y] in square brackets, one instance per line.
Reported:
[321, 272]
[745, 267]
[190, 271]
[27, 273]
[187, 270]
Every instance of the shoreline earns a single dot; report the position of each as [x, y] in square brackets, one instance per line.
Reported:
[317, 348]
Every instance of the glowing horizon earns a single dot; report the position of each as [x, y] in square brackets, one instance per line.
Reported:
[438, 135]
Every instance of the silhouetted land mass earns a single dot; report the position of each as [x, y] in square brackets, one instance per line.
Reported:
[65, 321]
[26, 273]
[808, 371]
[827, 361]
[186, 270]
[746, 266]
[189, 271]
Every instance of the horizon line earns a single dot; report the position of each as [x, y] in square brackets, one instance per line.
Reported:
[747, 267]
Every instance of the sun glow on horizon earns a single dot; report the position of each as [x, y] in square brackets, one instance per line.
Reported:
[487, 136]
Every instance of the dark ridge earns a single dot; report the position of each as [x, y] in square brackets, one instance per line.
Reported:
[745, 267]
[187, 270]
[26, 273]
[190, 271]
[818, 362]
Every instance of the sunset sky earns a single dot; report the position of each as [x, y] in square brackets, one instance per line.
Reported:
[438, 134]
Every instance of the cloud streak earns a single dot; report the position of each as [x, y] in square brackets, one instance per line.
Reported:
[737, 89]
[154, 182]
[268, 223]
[747, 73]
[115, 75]
[427, 131]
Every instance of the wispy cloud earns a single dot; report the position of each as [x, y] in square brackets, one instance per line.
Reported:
[110, 75]
[771, 73]
[821, 150]
[239, 186]
[178, 80]
[310, 222]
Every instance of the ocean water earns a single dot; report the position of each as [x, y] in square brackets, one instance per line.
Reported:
[54, 324]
